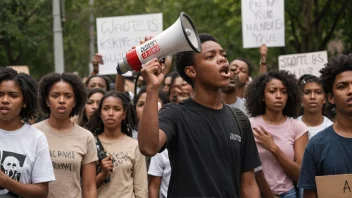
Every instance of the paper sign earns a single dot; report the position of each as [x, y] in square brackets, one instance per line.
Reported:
[334, 186]
[21, 69]
[117, 35]
[263, 23]
[300, 64]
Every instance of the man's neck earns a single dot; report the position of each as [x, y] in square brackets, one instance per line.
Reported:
[343, 125]
[312, 119]
[229, 98]
[208, 97]
[240, 92]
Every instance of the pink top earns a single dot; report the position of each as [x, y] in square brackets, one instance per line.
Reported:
[284, 136]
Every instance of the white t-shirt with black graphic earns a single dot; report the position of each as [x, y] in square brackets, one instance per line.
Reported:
[24, 156]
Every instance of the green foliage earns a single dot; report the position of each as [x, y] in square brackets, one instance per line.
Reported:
[26, 36]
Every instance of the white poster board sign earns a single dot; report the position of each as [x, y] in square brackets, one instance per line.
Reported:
[117, 35]
[263, 23]
[307, 63]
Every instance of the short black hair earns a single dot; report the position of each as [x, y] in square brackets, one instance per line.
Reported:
[249, 65]
[96, 125]
[255, 93]
[337, 65]
[79, 90]
[83, 119]
[186, 58]
[29, 88]
[106, 79]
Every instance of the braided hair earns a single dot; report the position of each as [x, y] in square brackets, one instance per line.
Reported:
[96, 125]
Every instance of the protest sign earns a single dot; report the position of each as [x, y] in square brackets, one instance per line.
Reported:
[334, 186]
[263, 23]
[21, 69]
[117, 35]
[300, 64]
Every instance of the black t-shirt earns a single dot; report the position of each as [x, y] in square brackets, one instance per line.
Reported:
[207, 151]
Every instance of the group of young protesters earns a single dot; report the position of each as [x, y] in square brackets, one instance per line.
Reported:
[181, 135]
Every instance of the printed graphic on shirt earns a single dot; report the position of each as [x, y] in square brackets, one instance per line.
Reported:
[68, 162]
[11, 165]
[120, 158]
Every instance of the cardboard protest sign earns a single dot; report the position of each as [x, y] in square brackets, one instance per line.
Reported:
[21, 69]
[307, 63]
[334, 186]
[263, 23]
[117, 35]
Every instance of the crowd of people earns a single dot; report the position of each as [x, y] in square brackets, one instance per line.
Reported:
[196, 126]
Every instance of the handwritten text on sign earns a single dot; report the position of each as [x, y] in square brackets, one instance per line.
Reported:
[263, 23]
[300, 64]
[117, 35]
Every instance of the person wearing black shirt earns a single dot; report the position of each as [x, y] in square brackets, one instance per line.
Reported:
[209, 155]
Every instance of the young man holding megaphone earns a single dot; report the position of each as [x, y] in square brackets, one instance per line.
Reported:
[209, 155]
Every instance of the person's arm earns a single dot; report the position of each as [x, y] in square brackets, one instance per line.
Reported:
[263, 185]
[154, 186]
[248, 186]
[89, 188]
[263, 50]
[140, 181]
[120, 83]
[150, 138]
[291, 168]
[39, 190]
[310, 193]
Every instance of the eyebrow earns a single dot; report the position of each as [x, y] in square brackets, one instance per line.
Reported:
[214, 50]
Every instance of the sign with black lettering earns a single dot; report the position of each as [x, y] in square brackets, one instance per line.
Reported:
[117, 35]
[336, 186]
[307, 63]
[263, 23]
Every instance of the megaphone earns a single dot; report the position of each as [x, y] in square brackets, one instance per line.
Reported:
[181, 36]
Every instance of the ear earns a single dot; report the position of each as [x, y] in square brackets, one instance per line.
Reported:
[124, 115]
[331, 98]
[190, 71]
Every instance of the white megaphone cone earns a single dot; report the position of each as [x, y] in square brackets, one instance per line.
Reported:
[181, 36]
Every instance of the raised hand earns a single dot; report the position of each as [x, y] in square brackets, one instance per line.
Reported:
[152, 74]
[264, 138]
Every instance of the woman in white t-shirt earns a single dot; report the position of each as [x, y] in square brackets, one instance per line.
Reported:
[313, 103]
[273, 100]
[25, 161]
[122, 167]
[72, 148]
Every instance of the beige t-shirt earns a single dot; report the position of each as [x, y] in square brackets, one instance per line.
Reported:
[129, 178]
[68, 152]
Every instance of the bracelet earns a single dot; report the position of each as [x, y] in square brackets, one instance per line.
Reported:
[261, 63]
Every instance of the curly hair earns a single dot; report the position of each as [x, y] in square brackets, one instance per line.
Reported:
[78, 88]
[106, 80]
[186, 58]
[254, 93]
[96, 125]
[337, 65]
[83, 119]
[29, 88]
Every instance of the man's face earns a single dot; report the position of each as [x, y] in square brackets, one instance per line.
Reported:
[242, 72]
[211, 66]
[342, 93]
[233, 79]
